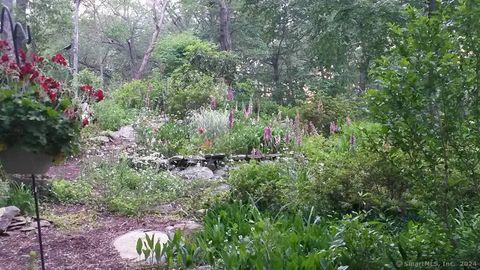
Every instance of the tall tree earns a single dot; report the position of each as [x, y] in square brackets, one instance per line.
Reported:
[159, 7]
[75, 40]
[225, 38]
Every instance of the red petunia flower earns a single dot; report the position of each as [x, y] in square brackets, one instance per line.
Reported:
[85, 122]
[49, 83]
[35, 75]
[5, 58]
[23, 55]
[37, 59]
[59, 59]
[86, 88]
[26, 69]
[52, 95]
[3, 44]
[99, 96]
[13, 66]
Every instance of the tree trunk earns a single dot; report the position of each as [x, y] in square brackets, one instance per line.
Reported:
[363, 78]
[75, 49]
[159, 8]
[277, 94]
[225, 38]
[22, 11]
[431, 7]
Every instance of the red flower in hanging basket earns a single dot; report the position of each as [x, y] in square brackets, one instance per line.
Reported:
[86, 88]
[3, 44]
[5, 58]
[37, 59]
[99, 96]
[22, 54]
[85, 122]
[59, 59]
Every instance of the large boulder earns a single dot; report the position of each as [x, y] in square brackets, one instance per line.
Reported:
[6, 216]
[196, 172]
[126, 133]
[126, 243]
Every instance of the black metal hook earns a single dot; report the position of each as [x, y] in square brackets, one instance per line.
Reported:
[15, 30]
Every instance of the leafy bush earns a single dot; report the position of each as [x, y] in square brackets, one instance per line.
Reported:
[323, 110]
[346, 175]
[266, 184]
[126, 191]
[71, 192]
[239, 236]
[427, 103]
[111, 115]
[138, 94]
[190, 90]
[168, 139]
[18, 195]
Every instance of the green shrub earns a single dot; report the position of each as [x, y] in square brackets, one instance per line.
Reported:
[351, 177]
[111, 115]
[138, 94]
[70, 192]
[127, 191]
[269, 185]
[239, 236]
[190, 90]
[20, 196]
[322, 110]
[88, 77]
[167, 139]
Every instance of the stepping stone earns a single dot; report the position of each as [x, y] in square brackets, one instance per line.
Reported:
[6, 216]
[126, 244]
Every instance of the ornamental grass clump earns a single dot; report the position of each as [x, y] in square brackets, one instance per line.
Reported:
[209, 123]
[36, 111]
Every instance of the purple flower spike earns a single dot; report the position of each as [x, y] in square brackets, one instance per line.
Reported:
[267, 134]
[213, 103]
[231, 119]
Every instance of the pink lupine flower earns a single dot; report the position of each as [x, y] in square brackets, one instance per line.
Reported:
[298, 130]
[231, 119]
[230, 94]
[333, 128]
[213, 103]
[312, 128]
[349, 121]
[353, 140]
[287, 138]
[256, 152]
[267, 134]
[277, 140]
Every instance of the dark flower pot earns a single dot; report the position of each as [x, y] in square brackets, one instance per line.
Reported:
[19, 161]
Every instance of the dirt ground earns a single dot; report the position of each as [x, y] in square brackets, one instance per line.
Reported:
[87, 247]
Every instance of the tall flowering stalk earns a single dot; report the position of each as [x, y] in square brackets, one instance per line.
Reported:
[230, 94]
[353, 141]
[287, 138]
[213, 103]
[333, 127]
[249, 109]
[298, 129]
[267, 135]
[231, 119]
[312, 129]
[349, 121]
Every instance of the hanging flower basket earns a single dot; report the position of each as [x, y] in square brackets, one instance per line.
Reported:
[19, 161]
[39, 115]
